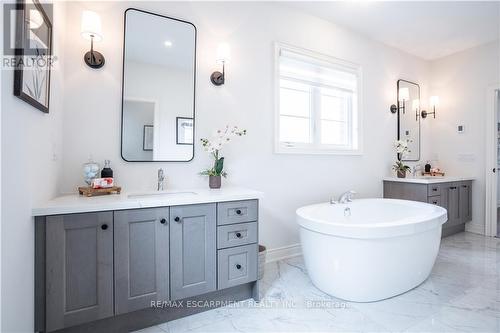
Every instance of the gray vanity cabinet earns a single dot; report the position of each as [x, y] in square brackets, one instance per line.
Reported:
[79, 269]
[122, 265]
[141, 243]
[192, 250]
[455, 197]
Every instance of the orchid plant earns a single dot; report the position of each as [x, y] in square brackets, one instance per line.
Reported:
[401, 147]
[214, 146]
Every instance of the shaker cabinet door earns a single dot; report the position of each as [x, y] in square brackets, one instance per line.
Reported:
[141, 258]
[453, 204]
[465, 199]
[192, 250]
[79, 269]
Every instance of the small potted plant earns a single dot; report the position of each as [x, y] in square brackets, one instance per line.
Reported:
[401, 148]
[213, 147]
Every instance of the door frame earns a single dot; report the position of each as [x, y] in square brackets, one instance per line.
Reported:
[491, 181]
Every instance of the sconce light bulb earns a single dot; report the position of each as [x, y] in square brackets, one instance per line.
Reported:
[167, 43]
[223, 53]
[434, 101]
[404, 94]
[91, 26]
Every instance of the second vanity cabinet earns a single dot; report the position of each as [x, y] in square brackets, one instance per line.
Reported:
[106, 264]
[454, 196]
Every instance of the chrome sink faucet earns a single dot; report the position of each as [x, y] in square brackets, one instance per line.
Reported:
[344, 198]
[161, 179]
[415, 169]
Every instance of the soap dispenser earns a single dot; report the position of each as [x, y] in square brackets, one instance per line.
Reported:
[107, 172]
[427, 167]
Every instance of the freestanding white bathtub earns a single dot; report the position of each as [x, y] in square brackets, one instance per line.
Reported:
[370, 249]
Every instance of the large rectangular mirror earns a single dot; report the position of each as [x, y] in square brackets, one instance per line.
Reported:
[159, 65]
[409, 118]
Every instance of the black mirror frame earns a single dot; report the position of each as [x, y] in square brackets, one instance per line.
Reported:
[399, 121]
[123, 81]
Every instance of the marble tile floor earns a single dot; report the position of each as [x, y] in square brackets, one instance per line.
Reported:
[461, 295]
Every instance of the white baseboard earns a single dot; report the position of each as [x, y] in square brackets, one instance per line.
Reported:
[475, 228]
[284, 252]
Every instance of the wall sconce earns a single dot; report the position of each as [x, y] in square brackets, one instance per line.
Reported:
[91, 30]
[416, 106]
[403, 96]
[434, 101]
[223, 55]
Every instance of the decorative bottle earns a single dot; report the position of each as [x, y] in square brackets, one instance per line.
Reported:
[107, 172]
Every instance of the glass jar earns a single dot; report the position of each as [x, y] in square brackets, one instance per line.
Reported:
[90, 171]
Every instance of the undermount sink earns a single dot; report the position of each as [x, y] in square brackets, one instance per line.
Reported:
[159, 194]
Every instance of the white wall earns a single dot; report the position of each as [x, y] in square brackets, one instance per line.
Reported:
[31, 169]
[461, 81]
[288, 181]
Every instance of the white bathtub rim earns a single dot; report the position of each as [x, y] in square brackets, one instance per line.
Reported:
[405, 226]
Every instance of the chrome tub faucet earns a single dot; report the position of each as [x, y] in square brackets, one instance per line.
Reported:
[344, 197]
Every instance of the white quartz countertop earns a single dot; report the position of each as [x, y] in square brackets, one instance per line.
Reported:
[428, 180]
[74, 203]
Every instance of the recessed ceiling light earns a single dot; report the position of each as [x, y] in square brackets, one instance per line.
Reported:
[167, 43]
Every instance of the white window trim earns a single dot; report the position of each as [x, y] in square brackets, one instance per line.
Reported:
[306, 149]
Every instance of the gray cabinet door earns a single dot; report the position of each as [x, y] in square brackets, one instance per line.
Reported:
[453, 204]
[465, 201]
[79, 269]
[192, 250]
[141, 258]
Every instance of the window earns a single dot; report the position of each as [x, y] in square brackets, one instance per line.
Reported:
[318, 101]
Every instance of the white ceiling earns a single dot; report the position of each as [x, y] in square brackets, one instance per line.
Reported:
[429, 30]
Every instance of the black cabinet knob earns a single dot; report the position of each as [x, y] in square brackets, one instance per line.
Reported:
[163, 221]
[104, 226]
[238, 266]
[177, 219]
[238, 211]
[238, 235]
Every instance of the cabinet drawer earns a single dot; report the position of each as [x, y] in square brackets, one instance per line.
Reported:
[236, 234]
[436, 200]
[236, 212]
[433, 190]
[237, 265]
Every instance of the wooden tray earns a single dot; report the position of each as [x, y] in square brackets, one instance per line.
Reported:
[439, 173]
[90, 192]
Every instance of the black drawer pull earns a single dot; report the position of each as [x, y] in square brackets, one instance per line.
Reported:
[177, 219]
[453, 188]
[238, 211]
[238, 235]
[434, 189]
[465, 186]
[163, 221]
[238, 266]
[104, 226]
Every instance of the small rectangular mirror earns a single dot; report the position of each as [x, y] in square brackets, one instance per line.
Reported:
[158, 94]
[409, 118]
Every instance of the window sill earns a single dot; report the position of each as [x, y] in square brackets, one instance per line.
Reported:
[302, 151]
